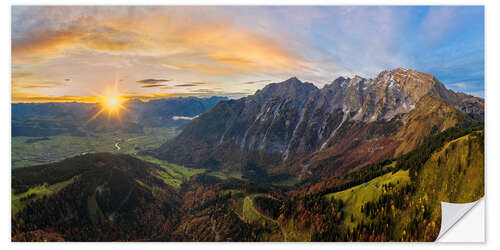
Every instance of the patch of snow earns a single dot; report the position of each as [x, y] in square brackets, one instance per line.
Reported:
[301, 118]
[344, 83]
[391, 84]
[275, 114]
[358, 114]
[344, 118]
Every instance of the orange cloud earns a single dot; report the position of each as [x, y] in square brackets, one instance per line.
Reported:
[215, 47]
[28, 80]
[20, 97]
[23, 97]
[44, 43]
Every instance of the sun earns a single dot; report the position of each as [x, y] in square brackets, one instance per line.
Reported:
[112, 103]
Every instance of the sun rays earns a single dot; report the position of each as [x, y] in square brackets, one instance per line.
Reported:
[111, 103]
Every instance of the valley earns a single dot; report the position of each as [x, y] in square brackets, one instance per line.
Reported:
[48, 132]
[27, 151]
[290, 163]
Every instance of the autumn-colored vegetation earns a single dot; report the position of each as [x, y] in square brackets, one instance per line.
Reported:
[109, 197]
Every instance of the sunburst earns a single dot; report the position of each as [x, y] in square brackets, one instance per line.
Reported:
[112, 103]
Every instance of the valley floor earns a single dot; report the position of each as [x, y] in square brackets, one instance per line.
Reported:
[28, 151]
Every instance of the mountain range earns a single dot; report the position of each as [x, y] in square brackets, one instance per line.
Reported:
[295, 128]
[47, 119]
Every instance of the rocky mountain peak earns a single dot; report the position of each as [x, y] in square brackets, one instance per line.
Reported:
[340, 81]
[292, 88]
[293, 118]
[291, 83]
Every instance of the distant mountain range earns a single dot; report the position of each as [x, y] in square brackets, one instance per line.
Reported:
[45, 119]
[295, 128]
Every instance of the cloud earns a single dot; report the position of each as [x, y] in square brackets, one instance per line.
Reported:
[459, 85]
[20, 74]
[43, 84]
[36, 84]
[153, 85]
[204, 91]
[41, 44]
[192, 84]
[254, 82]
[212, 46]
[27, 97]
[23, 97]
[186, 85]
[46, 43]
[29, 80]
[200, 83]
[152, 81]
[234, 47]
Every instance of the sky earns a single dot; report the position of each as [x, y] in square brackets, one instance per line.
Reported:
[76, 53]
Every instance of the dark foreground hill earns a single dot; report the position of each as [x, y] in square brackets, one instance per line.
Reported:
[102, 197]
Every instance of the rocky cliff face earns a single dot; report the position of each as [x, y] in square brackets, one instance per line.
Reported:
[293, 125]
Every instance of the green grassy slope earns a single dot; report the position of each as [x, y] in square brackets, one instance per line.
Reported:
[456, 172]
[453, 173]
[357, 196]
[251, 215]
[172, 174]
[20, 200]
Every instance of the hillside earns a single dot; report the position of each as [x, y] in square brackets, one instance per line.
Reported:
[453, 173]
[96, 197]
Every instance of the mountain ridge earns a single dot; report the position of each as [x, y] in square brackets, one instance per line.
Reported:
[283, 122]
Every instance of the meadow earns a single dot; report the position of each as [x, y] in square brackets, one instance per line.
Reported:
[357, 196]
[28, 151]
